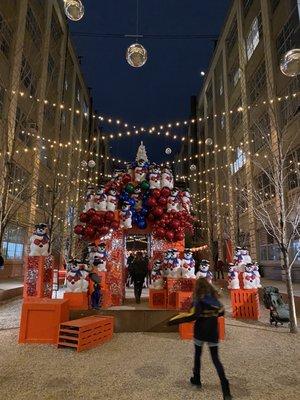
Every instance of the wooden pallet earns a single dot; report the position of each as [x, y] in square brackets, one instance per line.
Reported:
[85, 333]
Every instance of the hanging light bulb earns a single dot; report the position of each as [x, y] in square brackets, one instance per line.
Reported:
[136, 55]
[74, 9]
[290, 63]
[208, 142]
[168, 150]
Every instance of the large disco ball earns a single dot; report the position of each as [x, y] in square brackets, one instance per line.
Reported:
[290, 63]
[168, 150]
[193, 167]
[74, 9]
[83, 163]
[136, 55]
[208, 142]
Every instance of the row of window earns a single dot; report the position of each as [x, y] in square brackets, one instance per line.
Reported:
[27, 76]
[19, 180]
[33, 28]
[5, 37]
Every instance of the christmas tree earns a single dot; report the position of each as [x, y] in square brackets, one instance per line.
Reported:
[141, 153]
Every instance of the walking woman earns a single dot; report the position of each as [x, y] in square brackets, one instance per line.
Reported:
[205, 312]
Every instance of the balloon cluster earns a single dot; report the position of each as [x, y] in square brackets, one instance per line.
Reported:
[97, 224]
[138, 213]
[167, 225]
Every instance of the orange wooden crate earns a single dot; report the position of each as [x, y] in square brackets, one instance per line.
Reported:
[157, 298]
[186, 331]
[184, 300]
[77, 301]
[40, 320]
[245, 303]
[171, 300]
[85, 333]
[106, 300]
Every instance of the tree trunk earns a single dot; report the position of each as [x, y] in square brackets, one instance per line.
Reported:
[290, 294]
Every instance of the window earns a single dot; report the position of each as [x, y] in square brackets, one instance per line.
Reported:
[259, 131]
[20, 128]
[44, 157]
[293, 165]
[222, 121]
[51, 66]
[265, 187]
[268, 249]
[242, 200]
[33, 28]
[289, 109]
[13, 242]
[42, 197]
[240, 161]
[246, 6]
[234, 74]
[286, 39]
[257, 83]
[254, 35]
[5, 37]
[2, 91]
[49, 113]
[19, 180]
[232, 37]
[236, 116]
[27, 76]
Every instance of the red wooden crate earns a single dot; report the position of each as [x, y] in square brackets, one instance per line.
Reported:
[171, 300]
[184, 300]
[77, 301]
[245, 303]
[157, 298]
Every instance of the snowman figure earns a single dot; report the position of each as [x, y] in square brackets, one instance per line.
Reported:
[167, 179]
[89, 199]
[166, 263]
[93, 253]
[126, 216]
[173, 201]
[174, 264]
[100, 199]
[155, 177]
[137, 197]
[246, 259]
[257, 275]
[186, 203]
[242, 258]
[233, 277]
[156, 275]
[74, 277]
[101, 258]
[112, 201]
[204, 271]
[129, 169]
[140, 171]
[39, 241]
[85, 276]
[249, 277]
[188, 265]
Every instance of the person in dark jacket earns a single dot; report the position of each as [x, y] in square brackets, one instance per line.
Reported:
[1, 261]
[205, 311]
[139, 272]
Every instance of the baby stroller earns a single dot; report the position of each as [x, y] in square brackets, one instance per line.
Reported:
[279, 310]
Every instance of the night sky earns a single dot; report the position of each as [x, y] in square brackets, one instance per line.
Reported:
[159, 91]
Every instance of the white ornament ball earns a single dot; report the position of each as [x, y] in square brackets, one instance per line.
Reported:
[84, 163]
[208, 142]
[193, 167]
[136, 55]
[74, 9]
[168, 150]
[290, 63]
[91, 163]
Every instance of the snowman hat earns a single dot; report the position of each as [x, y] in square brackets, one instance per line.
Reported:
[41, 226]
[204, 262]
[102, 244]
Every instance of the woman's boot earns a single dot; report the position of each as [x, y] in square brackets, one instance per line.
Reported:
[226, 390]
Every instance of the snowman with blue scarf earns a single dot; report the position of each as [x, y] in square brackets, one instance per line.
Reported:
[204, 271]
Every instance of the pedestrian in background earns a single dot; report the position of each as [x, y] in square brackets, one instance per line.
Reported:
[1, 261]
[139, 273]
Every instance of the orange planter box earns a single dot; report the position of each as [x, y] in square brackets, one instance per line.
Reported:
[245, 303]
[40, 319]
[186, 331]
[157, 298]
[77, 301]
[184, 300]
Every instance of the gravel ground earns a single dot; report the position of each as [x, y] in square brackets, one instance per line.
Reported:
[261, 363]
[10, 314]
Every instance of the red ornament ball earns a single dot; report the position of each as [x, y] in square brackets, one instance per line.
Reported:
[114, 225]
[83, 217]
[79, 229]
[90, 213]
[156, 193]
[89, 231]
[126, 179]
[170, 236]
[158, 211]
[175, 224]
[109, 216]
[151, 202]
[165, 192]
[162, 201]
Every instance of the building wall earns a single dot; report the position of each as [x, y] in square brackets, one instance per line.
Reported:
[240, 77]
[47, 123]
